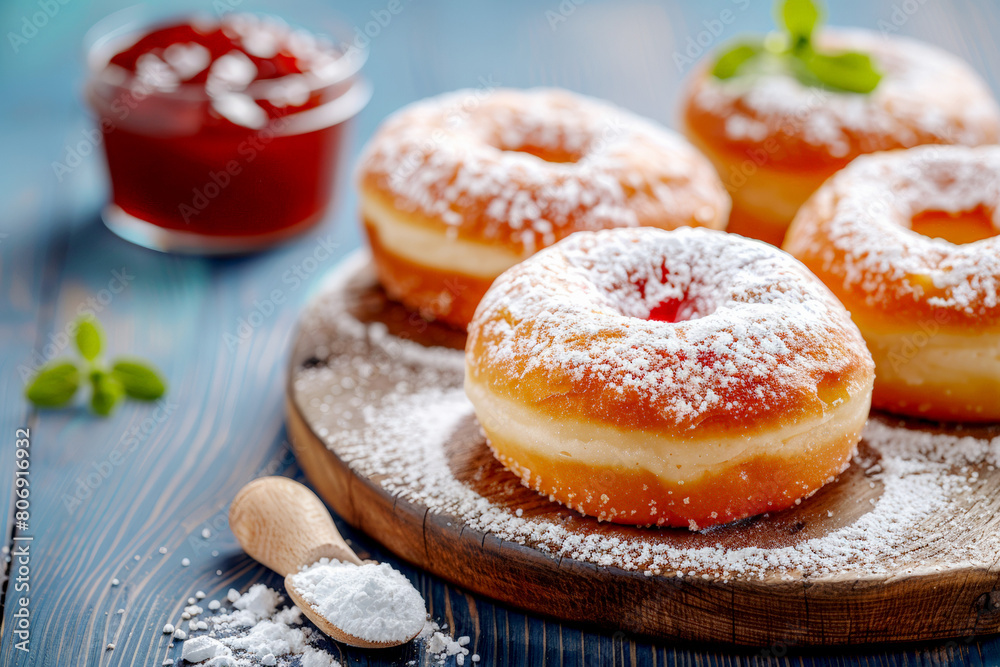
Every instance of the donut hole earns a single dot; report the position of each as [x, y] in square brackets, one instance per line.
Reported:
[666, 311]
[958, 227]
[677, 310]
[557, 154]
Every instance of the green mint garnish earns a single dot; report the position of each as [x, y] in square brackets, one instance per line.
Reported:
[795, 53]
[800, 18]
[107, 392]
[730, 62]
[138, 380]
[88, 338]
[57, 382]
[851, 71]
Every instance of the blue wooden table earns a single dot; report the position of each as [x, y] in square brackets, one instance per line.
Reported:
[108, 494]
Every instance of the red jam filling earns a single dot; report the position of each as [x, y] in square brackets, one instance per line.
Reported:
[205, 135]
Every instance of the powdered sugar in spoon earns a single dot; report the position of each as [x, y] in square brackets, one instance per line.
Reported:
[285, 526]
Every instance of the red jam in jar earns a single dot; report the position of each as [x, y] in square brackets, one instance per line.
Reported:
[221, 136]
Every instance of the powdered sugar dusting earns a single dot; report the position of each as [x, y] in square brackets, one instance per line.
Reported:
[470, 159]
[258, 630]
[866, 210]
[752, 332]
[403, 421]
[926, 96]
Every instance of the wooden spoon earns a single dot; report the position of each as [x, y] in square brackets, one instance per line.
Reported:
[285, 526]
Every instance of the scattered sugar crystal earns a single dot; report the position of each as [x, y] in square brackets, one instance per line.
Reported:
[202, 648]
[187, 59]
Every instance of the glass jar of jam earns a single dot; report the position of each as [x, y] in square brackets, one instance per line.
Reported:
[221, 135]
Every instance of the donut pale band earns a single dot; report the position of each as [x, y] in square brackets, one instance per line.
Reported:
[683, 378]
[928, 308]
[775, 140]
[458, 188]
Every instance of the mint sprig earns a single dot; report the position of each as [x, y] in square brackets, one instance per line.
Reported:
[796, 54]
[57, 382]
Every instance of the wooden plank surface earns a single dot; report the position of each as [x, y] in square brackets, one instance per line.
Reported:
[222, 424]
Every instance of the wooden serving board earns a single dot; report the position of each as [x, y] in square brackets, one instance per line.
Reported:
[904, 546]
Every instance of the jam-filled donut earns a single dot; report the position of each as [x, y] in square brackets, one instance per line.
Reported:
[908, 241]
[683, 378]
[775, 140]
[458, 188]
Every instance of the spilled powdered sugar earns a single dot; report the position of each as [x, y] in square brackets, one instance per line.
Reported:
[870, 206]
[257, 631]
[262, 631]
[926, 96]
[387, 406]
[469, 159]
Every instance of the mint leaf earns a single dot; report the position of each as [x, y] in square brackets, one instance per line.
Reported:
[55, 385]
[107, 393]
[138, 379]
[88, 338]
[729, 63]
[851, 71]
[800, 18]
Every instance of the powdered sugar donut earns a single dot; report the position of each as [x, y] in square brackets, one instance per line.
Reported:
[775, 140]
[674, 378]
[458, 188]
[929, 307]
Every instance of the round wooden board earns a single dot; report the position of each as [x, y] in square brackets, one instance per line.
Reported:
[946, 586]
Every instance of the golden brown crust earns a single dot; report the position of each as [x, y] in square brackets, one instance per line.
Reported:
[854, 234]
[674, 378]
[774, 141]
[446, 296]
[926, 96]
[524, 169]
[546, 335]
[764, 483]
[929, 309]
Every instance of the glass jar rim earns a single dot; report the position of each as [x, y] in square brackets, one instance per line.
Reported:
[120, 29]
